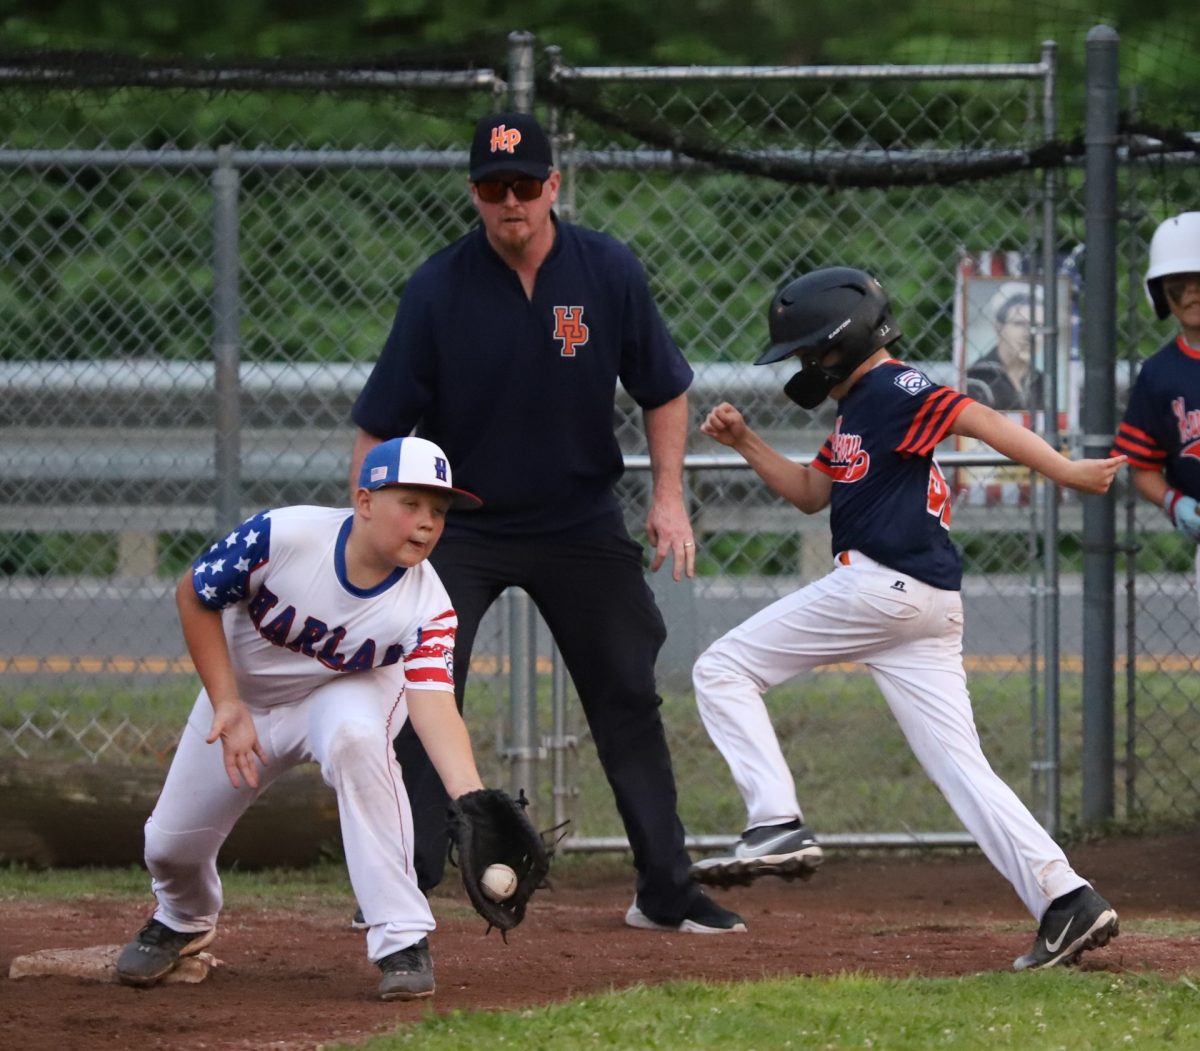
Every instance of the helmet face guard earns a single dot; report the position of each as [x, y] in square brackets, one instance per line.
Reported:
[813, 383]
[832, 320]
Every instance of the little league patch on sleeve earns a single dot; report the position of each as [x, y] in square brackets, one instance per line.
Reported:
[912, 381]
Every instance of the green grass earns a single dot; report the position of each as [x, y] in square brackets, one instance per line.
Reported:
[318, 885]
[325, 883]
[853, 769]
[1061, 1010]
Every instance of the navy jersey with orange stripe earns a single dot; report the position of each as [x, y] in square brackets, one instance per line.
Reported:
[890, 500]
[1161, 427]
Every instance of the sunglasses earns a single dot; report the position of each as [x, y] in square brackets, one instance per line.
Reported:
[494, 191]
[1176, 284]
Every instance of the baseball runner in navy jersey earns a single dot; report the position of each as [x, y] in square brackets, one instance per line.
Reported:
[892, 601]
[507, 349]
[317, 632]
[1160, 432]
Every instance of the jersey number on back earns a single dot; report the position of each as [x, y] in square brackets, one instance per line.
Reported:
[938, 501]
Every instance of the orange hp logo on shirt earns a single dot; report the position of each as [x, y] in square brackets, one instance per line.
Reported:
[505, 138]
[569, 329]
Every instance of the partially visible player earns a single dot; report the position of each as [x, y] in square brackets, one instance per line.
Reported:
[891, 602]
[316, 632]
[1160, 433]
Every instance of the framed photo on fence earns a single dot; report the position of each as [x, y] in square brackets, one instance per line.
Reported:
[1000, 360]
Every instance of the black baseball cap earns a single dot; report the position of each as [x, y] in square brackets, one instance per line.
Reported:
[510, 143]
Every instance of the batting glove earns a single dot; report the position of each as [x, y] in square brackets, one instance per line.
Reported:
[1184, 512]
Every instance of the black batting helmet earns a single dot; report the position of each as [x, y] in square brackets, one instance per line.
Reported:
[832, 319]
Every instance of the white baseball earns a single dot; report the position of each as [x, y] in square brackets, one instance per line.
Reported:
[499, 882]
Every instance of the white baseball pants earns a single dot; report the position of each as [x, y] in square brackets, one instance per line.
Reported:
[346, 726]
[910, 636]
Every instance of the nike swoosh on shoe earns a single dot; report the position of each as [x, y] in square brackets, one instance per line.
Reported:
[764, 847]
[1054, 946]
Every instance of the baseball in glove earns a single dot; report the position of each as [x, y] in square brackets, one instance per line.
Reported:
[489, 827]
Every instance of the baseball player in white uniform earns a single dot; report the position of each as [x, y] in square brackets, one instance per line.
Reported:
[316, 633]
[891, 602]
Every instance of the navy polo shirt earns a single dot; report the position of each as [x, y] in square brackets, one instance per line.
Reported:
[518, 392]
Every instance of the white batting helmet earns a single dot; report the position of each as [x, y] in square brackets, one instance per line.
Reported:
[1174, 249]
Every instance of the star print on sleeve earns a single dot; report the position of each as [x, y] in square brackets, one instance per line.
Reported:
[222, 581]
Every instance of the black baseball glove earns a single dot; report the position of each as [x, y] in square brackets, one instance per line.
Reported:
[489, 827]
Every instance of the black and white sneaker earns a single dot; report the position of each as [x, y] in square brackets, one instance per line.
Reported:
[704, 917]
[1074, 923]
[156, 951]
[407, 973]
[789, 850]
[357, 923]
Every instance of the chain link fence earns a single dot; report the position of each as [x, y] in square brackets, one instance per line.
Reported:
[198, 280]
[1158, 764]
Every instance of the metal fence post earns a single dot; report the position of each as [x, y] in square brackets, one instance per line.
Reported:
[561, 744]
[1135, 212]
[523, 748]
[520, 70]
[1098, 413]
[226, 340]
[1050, 623]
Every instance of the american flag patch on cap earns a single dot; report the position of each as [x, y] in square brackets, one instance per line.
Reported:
[378, 473]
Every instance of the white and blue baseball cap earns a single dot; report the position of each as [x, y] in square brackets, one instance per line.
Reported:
[414, 462]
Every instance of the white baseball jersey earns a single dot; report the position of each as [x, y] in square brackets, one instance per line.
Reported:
[321, 667]
[303, 623]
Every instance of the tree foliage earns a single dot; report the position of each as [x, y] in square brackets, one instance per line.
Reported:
[1158, 43]
[104, 262]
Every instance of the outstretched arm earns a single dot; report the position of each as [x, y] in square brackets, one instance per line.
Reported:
[807, 489]
[1022, 445]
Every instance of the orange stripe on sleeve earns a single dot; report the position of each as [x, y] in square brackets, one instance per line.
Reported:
[933, 422]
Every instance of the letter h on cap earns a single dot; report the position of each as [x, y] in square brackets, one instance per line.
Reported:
[505, 138]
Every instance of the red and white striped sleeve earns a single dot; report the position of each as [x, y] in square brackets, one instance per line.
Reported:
[429, 665]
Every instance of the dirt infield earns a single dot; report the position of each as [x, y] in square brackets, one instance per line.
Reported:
[295, 980]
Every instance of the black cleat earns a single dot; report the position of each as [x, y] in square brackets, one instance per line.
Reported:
[156, 951]
[704, 917]
[789, 850]
[407, 973]
[1074, 923]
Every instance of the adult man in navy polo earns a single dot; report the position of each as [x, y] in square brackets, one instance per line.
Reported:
[506, 350]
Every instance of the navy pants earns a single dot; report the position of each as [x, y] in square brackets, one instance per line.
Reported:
[592, 593]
